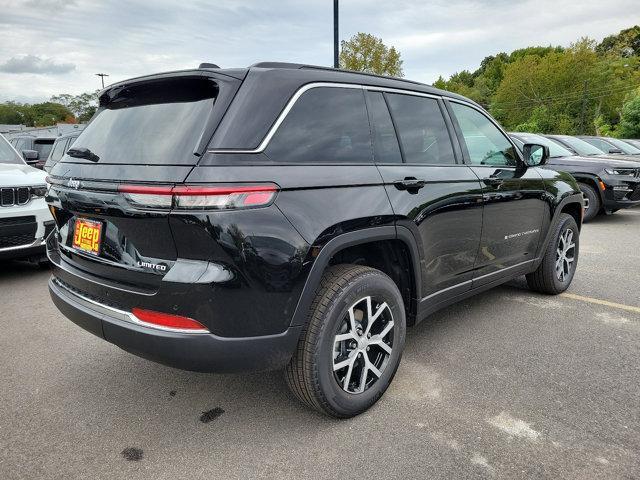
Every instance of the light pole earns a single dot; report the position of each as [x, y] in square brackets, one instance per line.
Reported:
[336, 52]
[102, 75]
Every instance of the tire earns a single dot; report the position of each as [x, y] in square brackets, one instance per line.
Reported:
[340, 308]
[592, 198]
[548, 279]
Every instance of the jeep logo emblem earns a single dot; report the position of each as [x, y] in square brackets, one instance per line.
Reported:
[73, 183]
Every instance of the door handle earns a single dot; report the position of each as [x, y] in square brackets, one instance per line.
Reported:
[493, 181]
[411, 184]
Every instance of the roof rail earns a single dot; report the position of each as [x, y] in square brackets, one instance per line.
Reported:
[278, 65]
[299, 66]
[208, 65]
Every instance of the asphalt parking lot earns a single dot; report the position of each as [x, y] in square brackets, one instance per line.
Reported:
[509, 384]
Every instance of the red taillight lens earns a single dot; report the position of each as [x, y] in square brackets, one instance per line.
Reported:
[168, 321]
[200, 197]
[148, 196]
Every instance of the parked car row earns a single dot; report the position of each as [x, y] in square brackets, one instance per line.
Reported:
[607, 169]
[43, 152]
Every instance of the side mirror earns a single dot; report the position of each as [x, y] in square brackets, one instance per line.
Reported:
[30, 155]
[534, 154]
[615, 150]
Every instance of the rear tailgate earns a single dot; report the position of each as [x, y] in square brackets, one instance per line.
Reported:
[148, 132]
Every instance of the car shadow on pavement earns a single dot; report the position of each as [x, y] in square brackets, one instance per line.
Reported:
[121, 382]
[16, 269]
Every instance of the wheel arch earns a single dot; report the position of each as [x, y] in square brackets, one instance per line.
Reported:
[592, 181]
[571, 204]
[370, 247]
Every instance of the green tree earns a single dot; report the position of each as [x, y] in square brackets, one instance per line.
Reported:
[366, 53]
[83, 106]
[50, 113]
[575, 85]
[629, 126]
[626, 43]
[10, 113]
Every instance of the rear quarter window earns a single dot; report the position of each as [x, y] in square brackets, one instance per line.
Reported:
[325, 125]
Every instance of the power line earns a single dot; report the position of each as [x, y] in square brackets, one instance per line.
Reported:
[569, 98]
[569, 95]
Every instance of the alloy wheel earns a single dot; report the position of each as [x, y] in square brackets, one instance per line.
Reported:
[362, 345]
[565, 254]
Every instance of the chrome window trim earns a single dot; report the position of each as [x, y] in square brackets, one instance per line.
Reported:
[292, 101]
[305, 88]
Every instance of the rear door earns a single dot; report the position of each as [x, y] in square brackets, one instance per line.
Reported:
[432, 192]
[514, 197]
[146, 135]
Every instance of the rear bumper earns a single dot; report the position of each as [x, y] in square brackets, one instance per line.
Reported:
[201, 352]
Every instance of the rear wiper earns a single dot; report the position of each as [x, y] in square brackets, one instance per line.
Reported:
[83, 153]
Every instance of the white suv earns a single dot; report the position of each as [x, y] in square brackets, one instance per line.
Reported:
[25, 220]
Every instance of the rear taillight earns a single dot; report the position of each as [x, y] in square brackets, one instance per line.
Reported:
[197, 197]
[169, 322]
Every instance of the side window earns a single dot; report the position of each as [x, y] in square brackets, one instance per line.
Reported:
[485, 143]
[423, 134]
[325, 125]
[385, 142]
[58, 150]
[21, 144]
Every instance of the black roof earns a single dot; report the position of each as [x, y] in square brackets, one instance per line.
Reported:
[272, 84]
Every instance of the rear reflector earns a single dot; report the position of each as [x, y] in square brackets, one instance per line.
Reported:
[200, 197]
[168, 321]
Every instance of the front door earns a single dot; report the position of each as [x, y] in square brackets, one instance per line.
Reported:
[514, 196]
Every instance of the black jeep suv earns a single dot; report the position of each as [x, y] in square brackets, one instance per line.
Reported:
[296, 217]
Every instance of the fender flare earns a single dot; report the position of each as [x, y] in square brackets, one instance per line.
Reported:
[341, 242]
[574, 197]
[581, 177]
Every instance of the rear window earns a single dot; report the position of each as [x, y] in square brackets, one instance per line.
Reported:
[43, 147]
[154, 123]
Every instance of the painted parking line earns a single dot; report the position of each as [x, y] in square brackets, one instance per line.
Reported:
[597, 301]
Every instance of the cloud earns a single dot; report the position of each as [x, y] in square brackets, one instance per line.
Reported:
[35, 64]
[138, 37]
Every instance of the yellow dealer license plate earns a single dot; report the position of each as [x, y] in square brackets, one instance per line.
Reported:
[87, 236]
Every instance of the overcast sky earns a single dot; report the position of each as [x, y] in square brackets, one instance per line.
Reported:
[56, 46]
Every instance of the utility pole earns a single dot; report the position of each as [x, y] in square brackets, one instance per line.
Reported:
[584, 107]
[336, 51]
[102, 75]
